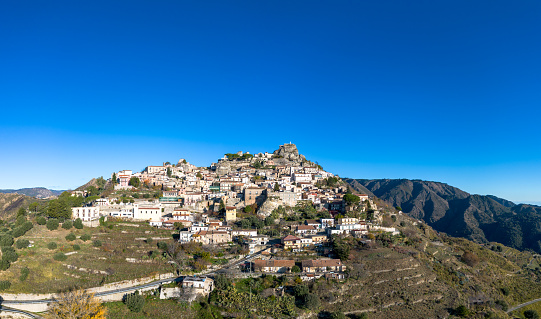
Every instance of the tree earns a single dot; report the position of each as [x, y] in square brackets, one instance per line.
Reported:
[300, 290]
[92, 191]
[41, 220]
[21, 212]
[134, 301]
[114, 179]
[85, 237]
[276, 187]
[68, 224]
[295, 269]
[71, 237]
[169, 172]
[100, 181]
[531, 314]
[78, 223]
[76, 304]
[135, 182]
[6, 240]
[351, 199]
[311, 301]
[52, 245]
[5, 284]
[22, 243]
[52, 224]
[59, 208]
[33, 207]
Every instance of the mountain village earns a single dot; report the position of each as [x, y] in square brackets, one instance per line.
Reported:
[206, 205]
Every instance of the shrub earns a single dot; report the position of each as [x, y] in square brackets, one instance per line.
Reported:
[462, 311]
[76, 247]
[6, 241]
[24, 273]
[149, 240]
[60, 256]
[9, 255]
[78, 223]
[4, 264]
[5, 284]
[470, 259]
[134, 301]
[26, 226]
[41, 220]
[85, 237]
[295, 269]
[18, 232]
[338, 315]
[52, 245]
[300, 290]
[52, 224]
[71, 237]
[68, 224]
[502, 304]
[22, 243]
[97, 243]
[531, 314]
[311, 301]
[162, 245]
[505, 291]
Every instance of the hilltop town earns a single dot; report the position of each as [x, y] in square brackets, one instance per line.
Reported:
[238, 199]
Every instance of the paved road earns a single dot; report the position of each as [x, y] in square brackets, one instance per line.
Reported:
[523, 305]
[133, 288]
[28, 314]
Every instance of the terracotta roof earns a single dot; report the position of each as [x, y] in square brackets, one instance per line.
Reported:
[322, 263]
[291, 238]
[305, 227]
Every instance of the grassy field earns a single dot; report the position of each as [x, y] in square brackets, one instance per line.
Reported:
[153, 309]
[90, 266]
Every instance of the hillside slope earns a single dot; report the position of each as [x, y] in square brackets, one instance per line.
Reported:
[457, 213]
[10, 204]
[38, 192]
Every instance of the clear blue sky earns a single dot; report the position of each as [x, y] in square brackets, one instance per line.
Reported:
[438, 90]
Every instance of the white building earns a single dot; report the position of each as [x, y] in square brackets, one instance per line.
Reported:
[85, 213]
[149, 213]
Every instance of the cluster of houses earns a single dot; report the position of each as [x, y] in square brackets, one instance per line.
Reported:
[234, 180]
[237, 181]
[310, 269]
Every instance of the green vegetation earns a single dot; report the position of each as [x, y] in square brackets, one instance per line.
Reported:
[67, 224]
[41, 220]
[5, 284]
[22, 243]
[52, 224]
[24, 273]
[85, 237]
[134, 301]
[135, 182]
[71, 237]
[52, 245]
[78, 223]
[60, 256]
[97, 243]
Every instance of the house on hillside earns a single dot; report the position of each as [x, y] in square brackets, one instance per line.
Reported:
[273, 265]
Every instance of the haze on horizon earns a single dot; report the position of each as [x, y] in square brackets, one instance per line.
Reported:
[445, 92]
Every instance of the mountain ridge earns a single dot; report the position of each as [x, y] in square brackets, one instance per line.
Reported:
[481, 218]
[37, 192]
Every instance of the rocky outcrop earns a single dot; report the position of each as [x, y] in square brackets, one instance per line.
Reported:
[268, 206]
[290, 153]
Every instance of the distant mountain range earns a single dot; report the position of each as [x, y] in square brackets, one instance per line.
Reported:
[448, 209]
[37, 192]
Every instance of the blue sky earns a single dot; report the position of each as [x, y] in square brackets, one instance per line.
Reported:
[437, 90]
